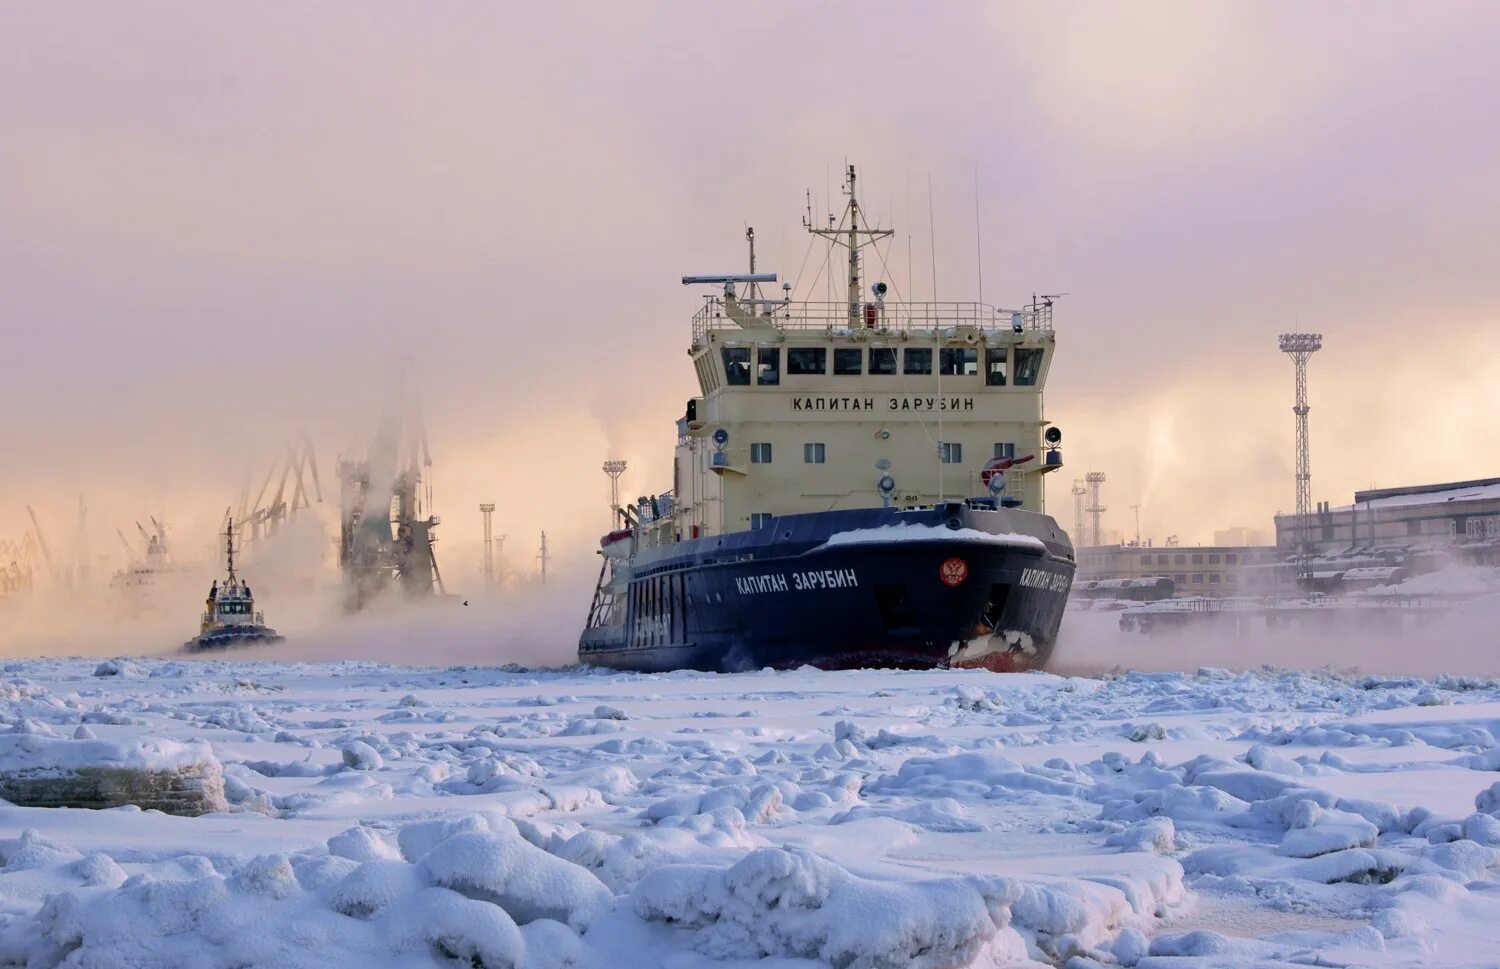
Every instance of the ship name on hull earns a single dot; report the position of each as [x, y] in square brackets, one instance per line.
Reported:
[1045, 580]
[751, 585]
[902, 403]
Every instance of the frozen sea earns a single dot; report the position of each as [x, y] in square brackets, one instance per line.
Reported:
[388, 816]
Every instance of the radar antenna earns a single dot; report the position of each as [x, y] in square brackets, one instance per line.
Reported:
[1041, 308]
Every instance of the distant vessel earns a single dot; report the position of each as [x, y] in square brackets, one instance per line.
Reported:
[857, 485]
[229, 616]
[140, 586]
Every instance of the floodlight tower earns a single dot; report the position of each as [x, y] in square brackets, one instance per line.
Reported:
[1095, 510]
[487, 510]
[614, 469]
[1079, 535]
[1300, 346]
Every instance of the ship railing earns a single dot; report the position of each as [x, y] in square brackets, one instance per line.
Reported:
[717, 313]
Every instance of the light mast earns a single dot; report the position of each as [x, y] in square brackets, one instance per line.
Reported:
[853, 233]
[229, 538]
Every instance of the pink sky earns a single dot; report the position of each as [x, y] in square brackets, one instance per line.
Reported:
[219, 223]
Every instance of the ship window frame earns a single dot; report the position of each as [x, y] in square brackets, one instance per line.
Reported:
[814, 452]
[760, 452]
[907, 363]
[884, 353]
[951, 452]
[760, 519]
[1029, 376]
[1005, 449]
[842, 369]
[736, 371]
[992, 356]
[793, 369]
[946, 356]
[761, 372]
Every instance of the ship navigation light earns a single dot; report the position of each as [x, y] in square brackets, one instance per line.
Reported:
[720, 438]
[1052, 438]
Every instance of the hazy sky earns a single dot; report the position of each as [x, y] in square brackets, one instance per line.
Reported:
[223, 225]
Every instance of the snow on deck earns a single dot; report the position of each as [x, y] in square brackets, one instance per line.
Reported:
[888, 534]
[392, 817]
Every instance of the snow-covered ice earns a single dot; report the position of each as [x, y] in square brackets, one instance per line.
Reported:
[381, 816]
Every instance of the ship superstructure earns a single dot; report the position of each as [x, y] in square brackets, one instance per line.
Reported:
[150, 575]
[878, 462]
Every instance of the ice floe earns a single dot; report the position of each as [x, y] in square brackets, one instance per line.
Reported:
[378, 816]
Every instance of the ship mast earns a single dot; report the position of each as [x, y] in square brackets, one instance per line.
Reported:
[229, 537]
[850, 238]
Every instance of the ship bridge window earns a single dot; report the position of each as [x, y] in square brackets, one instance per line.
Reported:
[806, 360]
[848, 361]
[958, 362]
[1028, 365]
[1005, 449]
[768, 367]
[995, 365]
[814, 453]
[737, 366]
[760, 452]
[883, 360]
[917, 360]
[951, 452]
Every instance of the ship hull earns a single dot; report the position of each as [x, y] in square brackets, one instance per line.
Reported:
[231, 637]
[947, 587]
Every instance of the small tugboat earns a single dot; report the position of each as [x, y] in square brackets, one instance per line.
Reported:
[229, 618]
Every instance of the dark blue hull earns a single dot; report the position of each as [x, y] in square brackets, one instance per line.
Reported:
[232, 636]
[948, 586]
